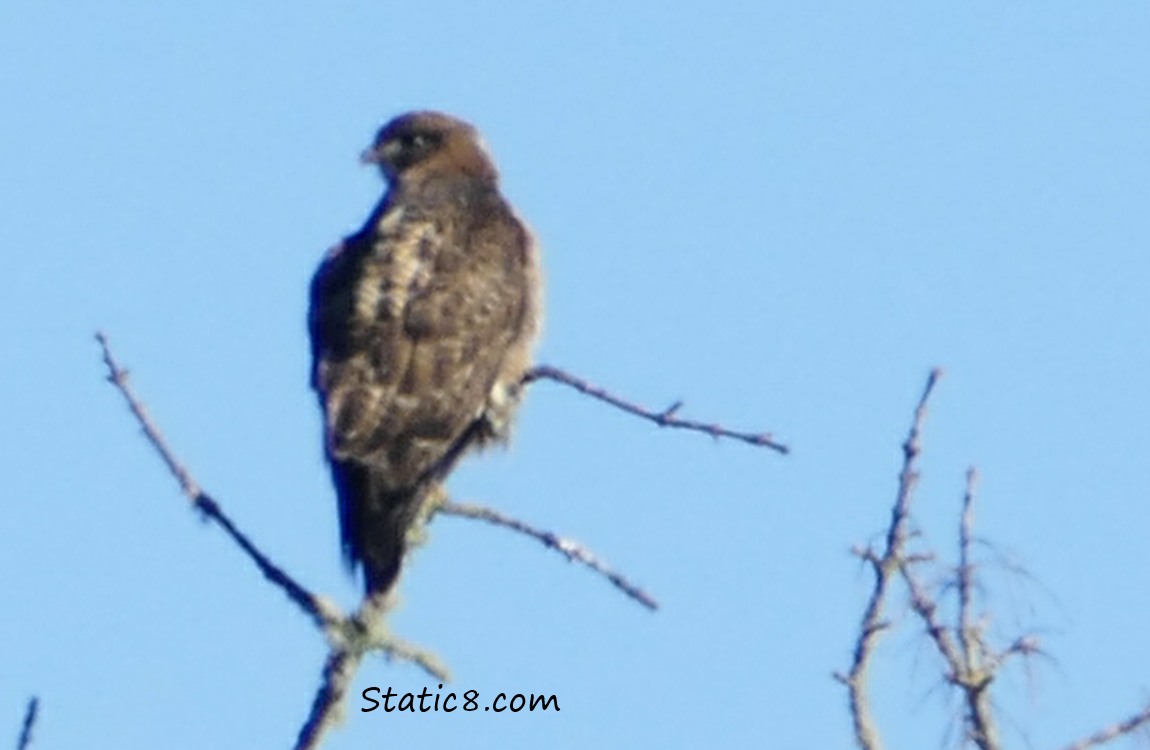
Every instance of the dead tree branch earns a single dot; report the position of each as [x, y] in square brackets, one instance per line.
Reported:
[349, 637]
[971, 663]
[327, 707]
[315, 608]
[30, 714]
[1119, 729]
[886, 567]
[572, 550]
[664, 418]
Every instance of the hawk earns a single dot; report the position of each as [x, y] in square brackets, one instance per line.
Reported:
[422, 325]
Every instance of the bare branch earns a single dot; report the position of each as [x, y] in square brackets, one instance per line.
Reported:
[926, 608]
[326, 712]
[965, 567]
[572, 550]
[308, 602]
[365, 632]
[665, 418]
[118, 377]
[30, 715]
[1114, 731]
[886, 566]
[350, 637]
[1023, 646]
[976, 674]
[970, 665]
[908, 476]
[397, 650]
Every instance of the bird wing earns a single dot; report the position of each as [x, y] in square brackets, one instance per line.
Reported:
[410, 324]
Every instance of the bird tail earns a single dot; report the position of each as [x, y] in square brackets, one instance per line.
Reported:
[374, 522]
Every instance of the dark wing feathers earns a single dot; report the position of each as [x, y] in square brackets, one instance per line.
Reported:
[407, 357]
[411, 320]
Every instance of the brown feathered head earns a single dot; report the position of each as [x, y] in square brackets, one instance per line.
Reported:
[418, 144]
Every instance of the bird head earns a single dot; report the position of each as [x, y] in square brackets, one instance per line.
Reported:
[423, 143]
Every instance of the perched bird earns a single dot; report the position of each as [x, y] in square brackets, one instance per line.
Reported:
[422, 325]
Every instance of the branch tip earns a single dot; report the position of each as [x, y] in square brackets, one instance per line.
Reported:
[665, 418]
[572, 550]
[30, 715]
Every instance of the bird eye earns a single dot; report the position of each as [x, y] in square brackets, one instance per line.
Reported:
[414, 140]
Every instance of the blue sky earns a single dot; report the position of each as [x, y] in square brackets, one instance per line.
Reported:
[784, 214]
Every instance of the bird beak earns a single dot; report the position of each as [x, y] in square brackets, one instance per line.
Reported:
[380, 153]
[369, 156]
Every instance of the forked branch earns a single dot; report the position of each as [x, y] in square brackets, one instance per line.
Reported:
[665, 418]
[971, 663]
[350, 637]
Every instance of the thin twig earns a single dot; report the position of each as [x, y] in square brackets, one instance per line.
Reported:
[966, 570]
[338, 672]
[573, 551]
[665, 418]
[396, 650]
[886, 567]
[351, 637]
[323, 613]
[926, 608]
[308, 602]
[976, 675]
[1114, 731]
[908, 476]
[30, 715]
[1024, 646]
[970, 666]
[118, 377]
